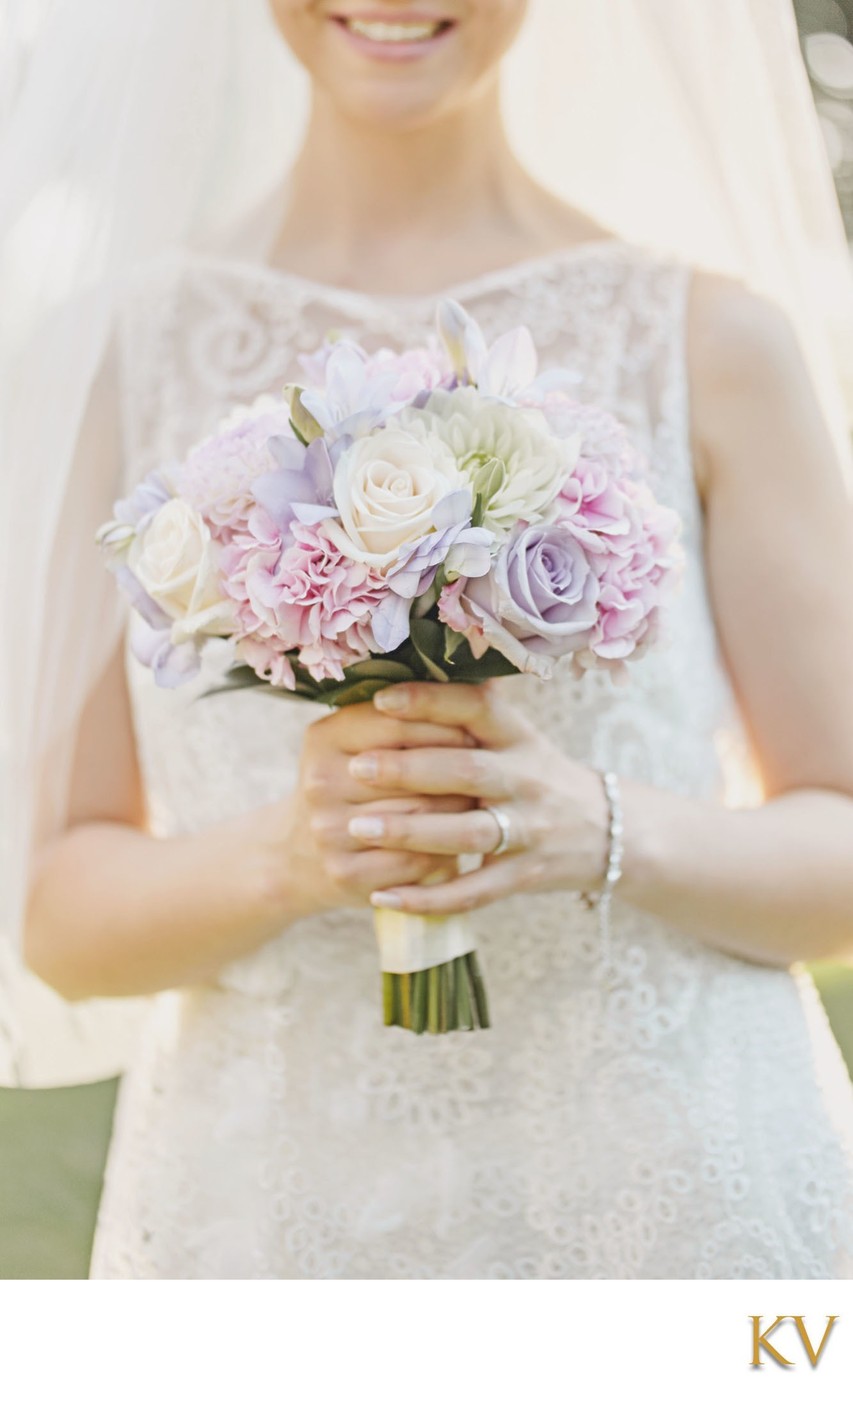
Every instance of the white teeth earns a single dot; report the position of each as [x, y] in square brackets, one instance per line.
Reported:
[392, 33]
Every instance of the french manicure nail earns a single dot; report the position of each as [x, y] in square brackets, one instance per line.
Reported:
[364, 768]
[394, 700]
[366, 827]
[386, 899]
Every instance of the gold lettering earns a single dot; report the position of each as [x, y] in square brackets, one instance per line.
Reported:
[759, 1339]
[814, 1355]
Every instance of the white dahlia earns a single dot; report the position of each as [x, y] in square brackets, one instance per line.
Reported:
[509, 455]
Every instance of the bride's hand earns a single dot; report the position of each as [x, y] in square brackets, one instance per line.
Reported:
[555, 806]
[326, 867]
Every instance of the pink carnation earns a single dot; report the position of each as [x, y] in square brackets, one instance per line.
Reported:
[269, 660]
[308, 597]
[259, 544]
[219, 473]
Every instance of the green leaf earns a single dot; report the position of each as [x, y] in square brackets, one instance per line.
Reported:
[388, 669]
[452, 643]
[424, 603]
[464, 668]
[345, 694]
[428, 639]
[305, 427]
[235, 681]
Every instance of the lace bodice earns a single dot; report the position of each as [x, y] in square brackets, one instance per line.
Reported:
[689, 1116]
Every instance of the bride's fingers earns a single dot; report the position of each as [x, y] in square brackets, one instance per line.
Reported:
[375, 868]
[361, 727]
[478, 707]
[328, 781]
[473, 831]
[495, 878]
[479, 772]
[331, 826]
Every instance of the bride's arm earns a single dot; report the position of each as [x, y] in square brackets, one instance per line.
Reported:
[113, 910]
[773, 883]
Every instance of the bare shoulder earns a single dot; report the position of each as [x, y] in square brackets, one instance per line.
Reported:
[744, 358]
[735, 331]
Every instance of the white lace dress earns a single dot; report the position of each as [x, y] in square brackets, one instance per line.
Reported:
[693, 1120]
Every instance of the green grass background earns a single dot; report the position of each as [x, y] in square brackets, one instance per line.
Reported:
[53, 1144]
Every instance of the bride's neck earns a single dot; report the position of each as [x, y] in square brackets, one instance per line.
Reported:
[366, 203]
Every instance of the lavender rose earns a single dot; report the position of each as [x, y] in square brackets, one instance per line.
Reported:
[539, 602]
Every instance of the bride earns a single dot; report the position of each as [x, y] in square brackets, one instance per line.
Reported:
[677, 1110]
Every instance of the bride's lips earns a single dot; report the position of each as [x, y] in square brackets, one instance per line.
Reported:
[393, 38]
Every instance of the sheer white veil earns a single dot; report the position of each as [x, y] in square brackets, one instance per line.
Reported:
[130, 128]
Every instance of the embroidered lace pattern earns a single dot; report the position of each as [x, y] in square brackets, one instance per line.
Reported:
[679, 1113]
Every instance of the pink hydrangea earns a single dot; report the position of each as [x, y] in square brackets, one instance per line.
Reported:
[354, 391]
[634, 575]
[218, 474]
[422, 368]
[592, 500]
[604, 439]
[308, 597]
[594, 507]
[418, 369]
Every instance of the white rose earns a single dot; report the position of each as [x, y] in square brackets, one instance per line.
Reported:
[386, 487]
[174, 562]
[507, 453]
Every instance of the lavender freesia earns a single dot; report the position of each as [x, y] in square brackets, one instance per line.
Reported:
[506, 370]
[300, 488]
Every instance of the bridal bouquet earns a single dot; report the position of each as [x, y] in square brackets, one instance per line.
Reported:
[440, 513]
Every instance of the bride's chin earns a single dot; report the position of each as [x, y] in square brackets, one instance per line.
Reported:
[394, 93]
[396, 98]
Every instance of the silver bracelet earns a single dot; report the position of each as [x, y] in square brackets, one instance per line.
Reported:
[601, 900]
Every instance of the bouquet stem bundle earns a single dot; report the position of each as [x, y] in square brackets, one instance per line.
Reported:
[438, 999]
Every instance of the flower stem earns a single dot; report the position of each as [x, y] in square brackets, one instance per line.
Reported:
[442, 997]
[465, 1015]
[405, 1001]
[433, 978]
[419, 1001]
[452, 982]
[388, 997]
[478, 990]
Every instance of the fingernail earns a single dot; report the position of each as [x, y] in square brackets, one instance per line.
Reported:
[366, 827]
[386, 899]
[392, 700]
[364, 767]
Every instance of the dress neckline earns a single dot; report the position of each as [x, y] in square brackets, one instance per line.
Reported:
[505, 276]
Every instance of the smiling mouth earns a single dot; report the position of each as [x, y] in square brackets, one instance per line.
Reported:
[396, 32]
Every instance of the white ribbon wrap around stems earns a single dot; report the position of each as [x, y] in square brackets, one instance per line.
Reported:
[414, 941]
